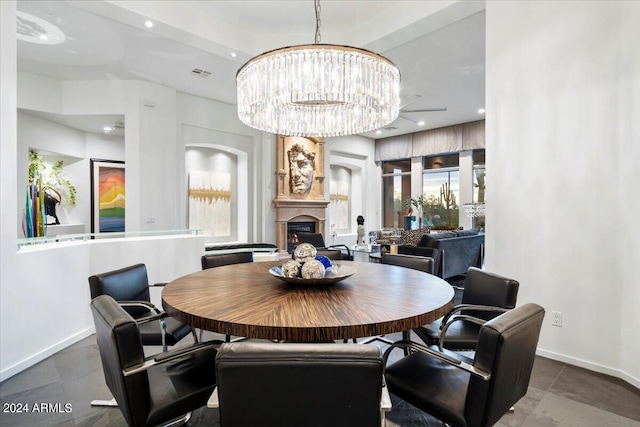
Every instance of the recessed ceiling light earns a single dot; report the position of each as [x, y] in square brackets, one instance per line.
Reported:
[378, 132]
[148, 24]
[421, 123]
[233, 54]
[107, 129]
[481, 111]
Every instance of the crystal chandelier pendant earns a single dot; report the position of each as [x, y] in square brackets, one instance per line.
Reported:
[318, 90]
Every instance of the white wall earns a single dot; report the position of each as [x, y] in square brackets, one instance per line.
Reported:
[563, 157]
[357, 153]
[206, 123]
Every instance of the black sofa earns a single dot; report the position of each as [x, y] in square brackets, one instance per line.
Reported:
[453, 251]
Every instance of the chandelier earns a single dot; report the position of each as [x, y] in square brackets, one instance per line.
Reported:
[318, 90]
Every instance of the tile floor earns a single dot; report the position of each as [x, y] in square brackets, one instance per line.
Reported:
[559, 395]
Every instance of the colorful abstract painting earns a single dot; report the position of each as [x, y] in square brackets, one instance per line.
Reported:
[210, 203]
[107, 196]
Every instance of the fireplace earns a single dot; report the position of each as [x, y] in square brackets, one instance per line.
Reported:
[306, 208]
[293, 228]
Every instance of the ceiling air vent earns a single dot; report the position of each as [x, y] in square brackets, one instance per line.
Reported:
[390, 128]
[200, 73]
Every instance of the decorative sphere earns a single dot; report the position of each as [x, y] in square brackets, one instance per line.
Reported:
[305, 252]
[312, 269]
[324, 260]
[290, 268]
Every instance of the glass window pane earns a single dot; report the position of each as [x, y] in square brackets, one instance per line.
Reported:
[441, 191]
[396, 187]
[396, 166]
[478, 158]
[479, 187]
[441, 161]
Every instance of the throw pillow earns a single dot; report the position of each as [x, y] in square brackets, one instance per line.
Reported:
[412, 237]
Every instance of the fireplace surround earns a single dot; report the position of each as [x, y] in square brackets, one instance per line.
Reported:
[291, 204]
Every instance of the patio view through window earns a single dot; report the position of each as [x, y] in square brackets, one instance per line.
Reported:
[441, 189]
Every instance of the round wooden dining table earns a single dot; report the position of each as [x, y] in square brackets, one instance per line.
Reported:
[246, 300]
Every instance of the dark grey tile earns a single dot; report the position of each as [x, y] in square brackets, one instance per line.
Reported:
[558, 411]
[523, 408]
[204, 416]
[90, 340]
[102, 417]
[545, 372]
[403, 414]
[46, 407]
[598, 390]
[77, 361]
[65, 424]
[81, 391]
[38, 375]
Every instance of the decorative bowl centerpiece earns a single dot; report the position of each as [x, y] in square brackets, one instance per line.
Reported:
[307, 268]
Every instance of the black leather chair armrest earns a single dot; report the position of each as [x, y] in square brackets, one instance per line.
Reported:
[155, 285]
[159, 316]
[440, 355]
[458, 308]
[144, 304]
[342, 247]
[169, 356]
[459, 318]
[181, 351]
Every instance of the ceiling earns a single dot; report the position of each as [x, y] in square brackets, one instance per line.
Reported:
[439, 46]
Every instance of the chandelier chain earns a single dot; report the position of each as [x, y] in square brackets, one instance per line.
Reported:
[318, 22]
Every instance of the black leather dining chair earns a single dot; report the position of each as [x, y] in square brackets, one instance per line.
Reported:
[425, 264]
[471, 393]
[130, 287]
[485, 296]
[317, 240]
[299, 384]
[218, 260]
[158, 389]
[420, 263]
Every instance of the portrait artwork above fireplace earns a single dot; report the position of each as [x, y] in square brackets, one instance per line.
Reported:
[300, 198]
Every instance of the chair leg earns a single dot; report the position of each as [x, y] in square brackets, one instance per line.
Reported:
[406, 336]
[98, 402]
[179, 421]
[378, 338]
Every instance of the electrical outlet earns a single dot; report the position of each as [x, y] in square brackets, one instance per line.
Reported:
[556, 318]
